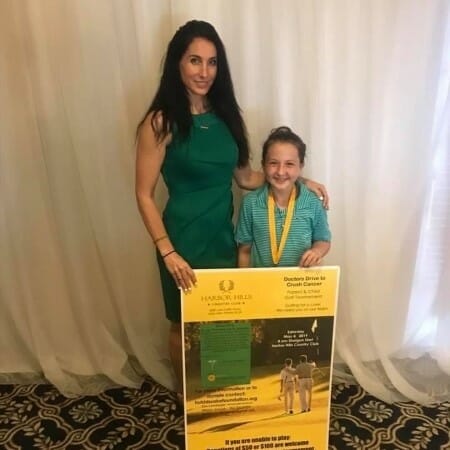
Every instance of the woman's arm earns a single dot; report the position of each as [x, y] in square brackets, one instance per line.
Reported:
[319, 189]
[149, 158]
[150, 155]
[247, 178]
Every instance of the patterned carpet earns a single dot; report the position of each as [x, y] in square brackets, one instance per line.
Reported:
[39, 417]
[360, 421]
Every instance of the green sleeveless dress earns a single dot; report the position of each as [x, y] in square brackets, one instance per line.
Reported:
[198, 172]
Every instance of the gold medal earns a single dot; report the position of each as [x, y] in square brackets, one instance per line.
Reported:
[276, 250]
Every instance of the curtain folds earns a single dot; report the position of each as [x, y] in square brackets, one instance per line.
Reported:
[364, 83]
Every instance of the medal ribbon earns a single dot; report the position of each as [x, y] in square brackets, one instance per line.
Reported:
[277, 251]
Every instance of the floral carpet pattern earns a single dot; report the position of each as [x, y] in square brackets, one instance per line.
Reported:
[360, 421]
[39, 417]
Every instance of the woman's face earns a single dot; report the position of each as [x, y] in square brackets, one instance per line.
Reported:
[198, 67]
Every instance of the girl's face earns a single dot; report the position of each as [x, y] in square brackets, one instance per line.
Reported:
[198, 67]
[282, 166]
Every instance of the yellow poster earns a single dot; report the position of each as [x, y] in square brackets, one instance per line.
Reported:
[258, 350]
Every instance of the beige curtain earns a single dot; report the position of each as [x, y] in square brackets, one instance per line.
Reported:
[364, 83]
[79, 287]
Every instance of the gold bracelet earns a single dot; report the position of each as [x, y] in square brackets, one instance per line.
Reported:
[168, 253]
[160, 238]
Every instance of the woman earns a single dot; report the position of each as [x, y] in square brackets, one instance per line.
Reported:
[194, 135]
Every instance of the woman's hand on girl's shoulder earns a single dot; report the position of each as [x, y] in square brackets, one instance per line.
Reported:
[320, 190]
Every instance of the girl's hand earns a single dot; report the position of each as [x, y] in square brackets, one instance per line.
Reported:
[320, 190]
[181, 271]
[310, 258]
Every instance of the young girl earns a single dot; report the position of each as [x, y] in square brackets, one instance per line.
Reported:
[282, 223]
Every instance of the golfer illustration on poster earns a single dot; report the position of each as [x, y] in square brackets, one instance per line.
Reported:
[258, 346]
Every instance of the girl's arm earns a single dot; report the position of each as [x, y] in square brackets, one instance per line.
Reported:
[150, 155]
[314, 255]
[244, 255]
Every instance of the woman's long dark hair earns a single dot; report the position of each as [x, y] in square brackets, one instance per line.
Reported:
[171, 99]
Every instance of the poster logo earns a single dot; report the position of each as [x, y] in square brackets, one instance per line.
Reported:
[226, 285]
